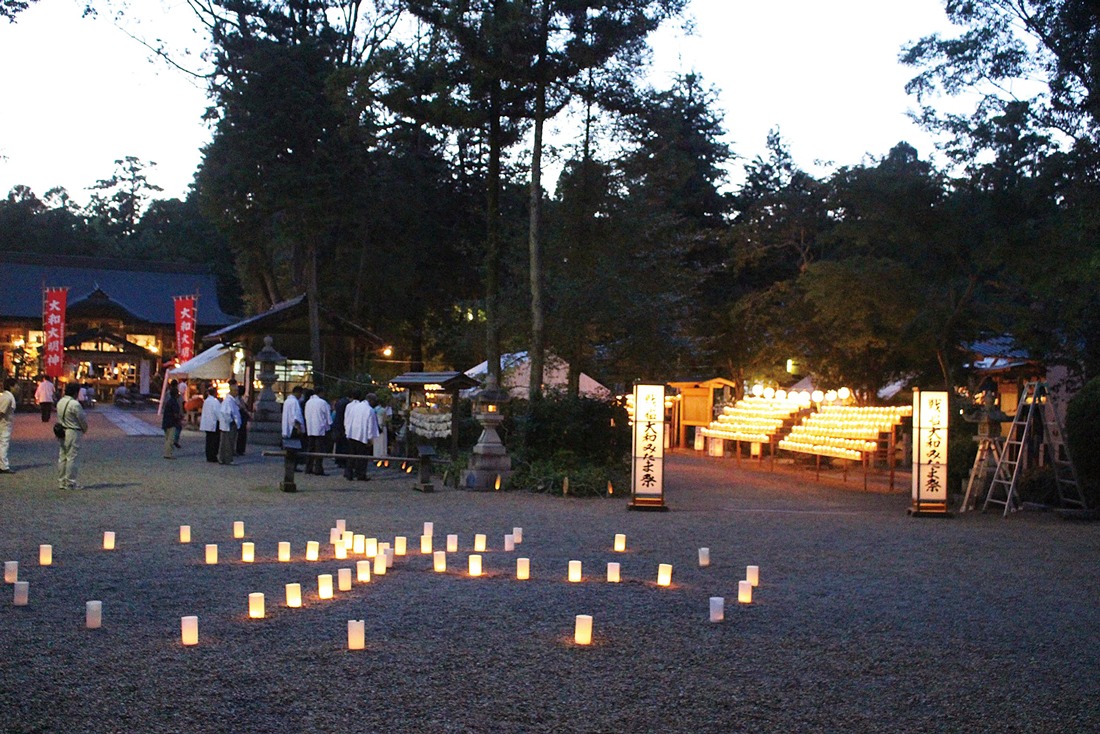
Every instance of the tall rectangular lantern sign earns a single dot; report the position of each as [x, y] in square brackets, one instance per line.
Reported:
[185, 327]
[647, 471]
[930, 418]
[53, 326]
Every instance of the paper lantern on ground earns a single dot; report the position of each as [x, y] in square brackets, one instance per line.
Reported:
[523, 568]
[185, 533]
[452, 544]
[340, 551]
[380, 564]
[211, 553]
[294, 595]
[744, 592]
[475, 565]
[359, 545]
[21, 594]
[348, 539]
[93, 615]
[357, 635]
[400, 545]
[335, 535]
[256, 605]
[517, 533]
[388, 553]
[439, 561]
[429, 529]
[372, 547]
[620, 543]
[582, 633]
[284, 551]
[11, 572]
[108, 540]
[509, 542]
[479, 543]
[704, 557]
[717, 608]
[752, 575]
[613, 573]
[313, 550]
[341, 525]
[664, 574]
[324, 586]
[343, 579]
[238, 529]
[45, 555]
[425, 544]
[189, 630]
[248, 552]
[362, 571]
[575, 571]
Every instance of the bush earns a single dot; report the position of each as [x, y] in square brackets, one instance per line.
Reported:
[1083, 439]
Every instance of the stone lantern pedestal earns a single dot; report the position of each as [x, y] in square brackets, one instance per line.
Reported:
[489, 460]
[266, 428]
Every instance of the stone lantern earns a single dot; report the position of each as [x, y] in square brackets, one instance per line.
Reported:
[266, 426]
[489, 461]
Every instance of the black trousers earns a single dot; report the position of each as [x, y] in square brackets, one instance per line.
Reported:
[47, 408]
[356, 468]
[213, 441]
[315, 464]
[242, 439]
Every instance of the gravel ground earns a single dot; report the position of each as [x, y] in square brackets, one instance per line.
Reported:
[866, 620]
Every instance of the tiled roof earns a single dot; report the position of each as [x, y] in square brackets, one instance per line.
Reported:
[144, 289]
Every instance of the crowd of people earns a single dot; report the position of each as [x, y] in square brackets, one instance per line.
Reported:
[355, 425]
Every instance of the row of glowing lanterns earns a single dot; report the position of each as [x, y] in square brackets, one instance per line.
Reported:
[344, 540]
[844, 432]
[802, 397]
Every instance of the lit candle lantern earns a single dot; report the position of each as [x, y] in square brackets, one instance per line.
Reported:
[613, 575]
[582, 633]
[429, 529]
[620, 543]
[238, 529]
[452, 544]
[45, 555]
[22, 593]
[324, 586]
[359, 545]
[574, 571]
[517, 533]
[664, 574]
[704, 557]
[425, 544]
[11, 572]
[439, 561]
[372, 548]
[343, 579]
[185, 533]
[475, 565]
[388, 553]
[509, 542]
[348, 538]
[93, 615]
[294, 595]
[752, 575]
[744, 592]
[284, 551]
[523, 568]
[340, 551]
[341, 525]
[362, 571]
[400, 545]
[334, 536]
[189, 630]
[479, 542]
[248, 552]
[256, 605]
[357, 634]
[717, 608]
[380, 564]
[313, 550]
[108, 540]
[211, 553]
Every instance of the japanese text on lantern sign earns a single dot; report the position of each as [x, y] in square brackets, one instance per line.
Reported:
[185, 327]
[930, 458]
[53, 327]
[649, 441]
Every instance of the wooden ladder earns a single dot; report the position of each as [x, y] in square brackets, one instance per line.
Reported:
[1002, 490]
[1065, 476]
[989, 454]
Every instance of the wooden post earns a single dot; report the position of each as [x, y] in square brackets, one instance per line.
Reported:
[289, 462]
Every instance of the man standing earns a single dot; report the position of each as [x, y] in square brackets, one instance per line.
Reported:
[43, 395]
[229, 420]
[208, 423]
[294, 422]
[318, 422]
[7, 421]
[361, 426]
[246, 416]
[70, 414]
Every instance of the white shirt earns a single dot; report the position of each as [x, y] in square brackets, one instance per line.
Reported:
[360, 421]
[7, 406]
[211, 408]
[292, 412]
[318, 417]
[44, 392]
[230, 411]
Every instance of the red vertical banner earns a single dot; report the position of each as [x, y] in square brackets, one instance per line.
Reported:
[186, 315]
[53, 326]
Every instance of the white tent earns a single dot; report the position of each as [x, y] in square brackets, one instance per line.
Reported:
[515, 373]
[216, 363]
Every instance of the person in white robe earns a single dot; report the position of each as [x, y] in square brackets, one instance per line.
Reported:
[208, 423]
[318, 416]
[229, 421]
[361, 426]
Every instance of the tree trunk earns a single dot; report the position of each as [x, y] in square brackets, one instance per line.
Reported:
[536, 353]
[314, 313]
[492, 240]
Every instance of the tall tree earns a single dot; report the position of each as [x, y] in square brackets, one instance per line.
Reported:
[118, 201]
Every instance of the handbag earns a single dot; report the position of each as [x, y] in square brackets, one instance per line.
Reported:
[59, 431]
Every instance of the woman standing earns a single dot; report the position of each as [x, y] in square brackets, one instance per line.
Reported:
[172, 420]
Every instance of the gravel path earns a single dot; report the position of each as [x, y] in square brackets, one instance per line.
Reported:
[865, 620]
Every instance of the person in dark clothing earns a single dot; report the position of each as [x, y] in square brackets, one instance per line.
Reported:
[339, 435]
[246, 416]
[172, 419]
